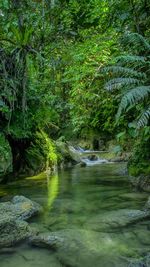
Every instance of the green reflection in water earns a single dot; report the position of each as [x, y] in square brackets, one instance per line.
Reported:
[52, 186]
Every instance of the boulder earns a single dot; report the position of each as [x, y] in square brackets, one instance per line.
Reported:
[13, 228]
[116, 219]
[20, 208]
[78, 247]
[12, 231]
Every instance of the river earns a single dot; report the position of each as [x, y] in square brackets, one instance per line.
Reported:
[75, 202]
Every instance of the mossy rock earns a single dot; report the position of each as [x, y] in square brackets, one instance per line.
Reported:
[41, 153]
[5, 156]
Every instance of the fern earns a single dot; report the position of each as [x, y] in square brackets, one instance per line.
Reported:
[138, 41]
[132, 97]
[131, 73]
[125, 72]
[132, 60]
[118, 83]
[144, 118]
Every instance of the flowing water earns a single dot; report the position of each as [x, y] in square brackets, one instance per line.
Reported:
[75, 201]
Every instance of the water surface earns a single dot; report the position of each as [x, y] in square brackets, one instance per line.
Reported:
[74, 202]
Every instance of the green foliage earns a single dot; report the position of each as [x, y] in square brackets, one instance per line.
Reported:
[135, 89]
[41, 153]
[5, 156]
[85, 85]
[140, 161]
[54, 57]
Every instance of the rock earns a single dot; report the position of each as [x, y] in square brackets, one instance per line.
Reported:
[78, 248]
[19, 207]
[13, 228]
[116, 219]
[147, 205]
[143, 262]
[12, 231]
[143, 235]
[141, 183]
[93, 157]
[81, 164]
[66, 158]
[47, 241]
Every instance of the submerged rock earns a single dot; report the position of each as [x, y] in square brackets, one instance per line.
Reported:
[143, 262]
[147, 206]
[19, 207]
[116, 219]
[13, 228]
[79, 247]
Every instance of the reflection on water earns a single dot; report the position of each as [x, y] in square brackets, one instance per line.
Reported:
[75, 202]
[52, 188]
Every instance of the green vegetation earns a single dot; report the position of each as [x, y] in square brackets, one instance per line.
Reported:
[73, 70]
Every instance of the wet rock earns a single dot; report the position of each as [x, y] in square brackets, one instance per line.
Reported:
[19, 207]
[143, 236]
[52, 241]
[13, 228]
[141, 183]
[12, 231]
[78, 248]
[143, 262]
[147, 206]
[116, 219]
[81, 164]
[93, 157]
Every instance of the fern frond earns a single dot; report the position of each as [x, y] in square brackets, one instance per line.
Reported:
[132, 97]
[144, 118]
[131, 59]
[117, 83]
[137, 40]
[125, 72]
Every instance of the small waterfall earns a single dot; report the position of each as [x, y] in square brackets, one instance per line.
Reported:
[89, 157]
[98, 161]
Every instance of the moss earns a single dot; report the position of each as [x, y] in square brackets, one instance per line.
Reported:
[139, 163]
[141, 168]
[5, 156]
[40, 176]
[41, 153]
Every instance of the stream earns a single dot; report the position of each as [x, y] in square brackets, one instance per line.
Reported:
[75, 201]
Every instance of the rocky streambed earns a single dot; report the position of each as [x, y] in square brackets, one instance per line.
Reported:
[91, 217]
[92, 240]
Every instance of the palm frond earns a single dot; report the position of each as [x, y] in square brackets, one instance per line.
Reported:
[118, 83]
[132, 97]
